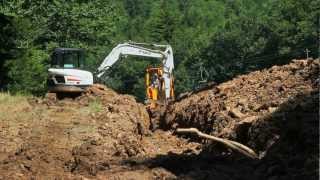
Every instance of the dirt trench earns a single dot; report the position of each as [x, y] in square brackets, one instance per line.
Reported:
[105, 135]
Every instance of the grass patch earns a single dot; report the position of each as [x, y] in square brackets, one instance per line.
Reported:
[14, 107]
[95, 106]
[8, 99]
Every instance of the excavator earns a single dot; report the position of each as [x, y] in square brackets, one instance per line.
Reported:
[67, 74]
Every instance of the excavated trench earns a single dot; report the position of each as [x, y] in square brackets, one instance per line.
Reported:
[105, 135]
[273, 111]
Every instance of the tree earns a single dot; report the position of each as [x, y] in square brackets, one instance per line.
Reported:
[27, 74]
[7, 45]
[162, 22]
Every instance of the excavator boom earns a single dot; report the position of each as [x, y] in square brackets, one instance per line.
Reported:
[142, 50]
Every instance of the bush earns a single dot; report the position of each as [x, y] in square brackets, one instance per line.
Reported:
[28, 73]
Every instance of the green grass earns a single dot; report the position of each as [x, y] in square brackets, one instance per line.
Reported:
[95, 106]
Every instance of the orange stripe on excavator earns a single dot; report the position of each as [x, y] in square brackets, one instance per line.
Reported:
[72, 79]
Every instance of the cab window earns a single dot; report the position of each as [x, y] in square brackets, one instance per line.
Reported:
[71, 60]
[68, 59]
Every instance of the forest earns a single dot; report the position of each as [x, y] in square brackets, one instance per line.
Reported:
[212, 40]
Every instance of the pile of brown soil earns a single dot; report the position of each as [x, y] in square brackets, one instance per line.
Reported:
[121, 122]
[274, 111]
[92, 136]
[244, 99]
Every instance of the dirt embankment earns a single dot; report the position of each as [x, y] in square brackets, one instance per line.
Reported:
[244, 99]
[274, 111]
[87, 137]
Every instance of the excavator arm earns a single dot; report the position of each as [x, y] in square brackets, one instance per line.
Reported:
[140, 49]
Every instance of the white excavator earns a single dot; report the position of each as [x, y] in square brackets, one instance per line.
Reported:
[67, 76]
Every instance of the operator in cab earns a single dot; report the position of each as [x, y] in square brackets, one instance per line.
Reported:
[153, 90]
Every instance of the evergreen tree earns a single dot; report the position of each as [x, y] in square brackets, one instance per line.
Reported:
[162, 22]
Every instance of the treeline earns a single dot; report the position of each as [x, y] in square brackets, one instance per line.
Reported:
[213, 40]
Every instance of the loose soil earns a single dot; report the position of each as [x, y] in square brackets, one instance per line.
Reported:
[105, 135]
[274, 111]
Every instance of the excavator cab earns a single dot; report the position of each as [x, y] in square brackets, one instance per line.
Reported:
[155, 87]
[66, 75]
[68, 58]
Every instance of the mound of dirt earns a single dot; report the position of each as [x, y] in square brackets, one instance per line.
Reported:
[244, 99]
[91, 136]
[274, 111]
[121, 124]
[123, 109]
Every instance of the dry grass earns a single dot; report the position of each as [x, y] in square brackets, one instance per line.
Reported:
[14, 111]
[7, 98]
[13, 107]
